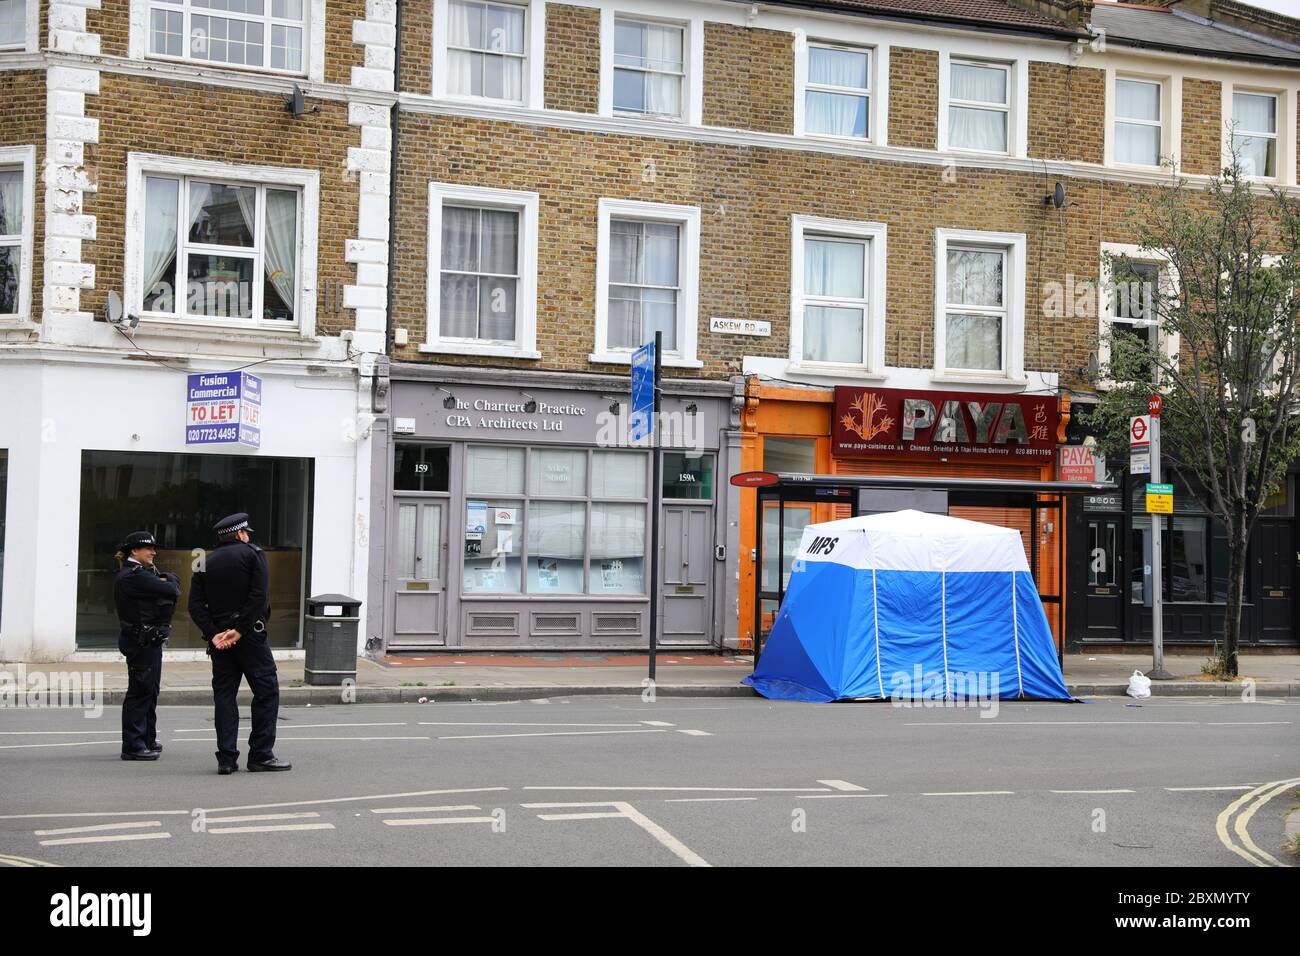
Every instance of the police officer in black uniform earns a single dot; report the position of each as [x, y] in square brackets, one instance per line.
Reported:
[229, 601]
[146, 600]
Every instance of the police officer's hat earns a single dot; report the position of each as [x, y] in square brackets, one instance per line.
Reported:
[138, 539]
[231, 524]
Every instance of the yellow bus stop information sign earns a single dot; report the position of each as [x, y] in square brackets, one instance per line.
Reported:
[1160, 499]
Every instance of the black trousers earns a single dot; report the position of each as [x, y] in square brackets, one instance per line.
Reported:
[140, 706]
[249, 659]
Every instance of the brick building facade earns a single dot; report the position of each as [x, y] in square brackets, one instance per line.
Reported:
[495, 200]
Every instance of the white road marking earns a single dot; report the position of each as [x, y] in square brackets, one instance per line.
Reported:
[200, 740]
[1199, 789]
[434, 821]
[1091, 791]
[695, 733]
[392, 723]
[674, 845]
[463, 806]
[79, 743]
[998, 722]
[839, 796]
[1247, 723]
[120, 838]
[691, 789]
[117, 813]
[520, 723]
[657, 723]
[707, 799]
[250, 818]
[969, 793]
[10, 860]
[555, 733]
[376, 796]
[613, 814]
[841, 785]
[102, 826]
[272, 828]
[63, 733]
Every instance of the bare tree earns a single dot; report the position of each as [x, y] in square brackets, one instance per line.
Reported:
[1226, 353]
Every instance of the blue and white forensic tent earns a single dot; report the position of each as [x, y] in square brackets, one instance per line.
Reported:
[909, 604]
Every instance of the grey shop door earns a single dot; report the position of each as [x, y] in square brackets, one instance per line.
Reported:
[417, 567]
[686, 607]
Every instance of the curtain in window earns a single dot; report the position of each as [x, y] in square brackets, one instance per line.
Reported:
[977, 129]
[980, 84]
[974, 277]
[279, 258]
[161, 208]
[11, 202]
[618, 474]
[832, 334]
[835, 114]
[1137, 100]
[974, 342]
[499, 254]
[1254, 113]
[490, 470]
[617, 530]
[837, 68]
[834, 269]
[1137, 143]
[13, 25]
[458, 316]
[557, 529]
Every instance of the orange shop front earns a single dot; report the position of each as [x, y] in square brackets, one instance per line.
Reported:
[915, 436]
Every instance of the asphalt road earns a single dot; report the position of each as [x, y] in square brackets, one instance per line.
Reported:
[619, 781]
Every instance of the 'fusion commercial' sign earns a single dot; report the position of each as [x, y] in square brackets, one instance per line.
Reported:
[223, 408]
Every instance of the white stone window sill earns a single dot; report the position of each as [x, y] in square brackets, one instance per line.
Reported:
[465, 348]
[1011, 384]
[832, 370]
[237, 333]
[625, 358]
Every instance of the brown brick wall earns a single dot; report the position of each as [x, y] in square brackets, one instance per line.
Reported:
[112, 21]
[23, 124]
[746, 197]
[341, 54]
[416, 43]
[1202, 126]
[185, 120]
[572, 58]
[1066, 112]
[913, 97]
[748, 79]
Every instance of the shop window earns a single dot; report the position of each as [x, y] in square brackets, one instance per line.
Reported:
[179, 497]
[4, 496]
[574, 530]
[792, 456]
[687, 476]
[420, 468]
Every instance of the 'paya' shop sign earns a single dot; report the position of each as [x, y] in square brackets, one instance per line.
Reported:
[972, 425]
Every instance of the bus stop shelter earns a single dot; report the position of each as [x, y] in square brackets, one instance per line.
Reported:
[854, 495]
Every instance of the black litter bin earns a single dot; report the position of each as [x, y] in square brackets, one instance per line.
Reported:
[331, 639]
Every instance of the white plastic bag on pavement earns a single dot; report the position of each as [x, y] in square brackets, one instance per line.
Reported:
[1139, 686]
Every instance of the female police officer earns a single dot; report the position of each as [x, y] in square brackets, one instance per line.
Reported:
[146, 600]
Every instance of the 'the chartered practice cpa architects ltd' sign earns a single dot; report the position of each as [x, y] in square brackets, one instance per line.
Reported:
[939, 424]
[223, 408]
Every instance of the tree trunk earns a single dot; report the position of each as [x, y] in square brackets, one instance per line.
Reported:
[1238, 542]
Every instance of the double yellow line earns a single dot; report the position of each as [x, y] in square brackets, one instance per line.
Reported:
[1246, 848]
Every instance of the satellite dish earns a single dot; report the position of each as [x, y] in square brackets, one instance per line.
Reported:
[113, 308]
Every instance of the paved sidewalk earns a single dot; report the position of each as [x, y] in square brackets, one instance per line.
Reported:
[446, 677]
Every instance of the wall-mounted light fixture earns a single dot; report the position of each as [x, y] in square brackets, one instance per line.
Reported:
[450, 400]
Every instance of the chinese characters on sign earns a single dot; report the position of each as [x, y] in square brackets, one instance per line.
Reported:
[874, 421]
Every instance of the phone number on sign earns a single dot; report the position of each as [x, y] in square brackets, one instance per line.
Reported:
[230, 433]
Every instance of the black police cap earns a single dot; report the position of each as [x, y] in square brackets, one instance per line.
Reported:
[232, 523]
[138, 539]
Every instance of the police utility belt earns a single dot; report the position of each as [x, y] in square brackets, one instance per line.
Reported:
[229, 620]
[148, 635]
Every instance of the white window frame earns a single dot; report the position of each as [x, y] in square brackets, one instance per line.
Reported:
[24, 158]
[526, 205]
[534, 46]
[30, 42]
[874, 234]
[1283, 136]
[688, 217]
[675, 14]
[1017, 103]
[313, 46]
[1169, 343]
[1012, 245]
[1171, 106]
[305, 181]
[802, 65]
